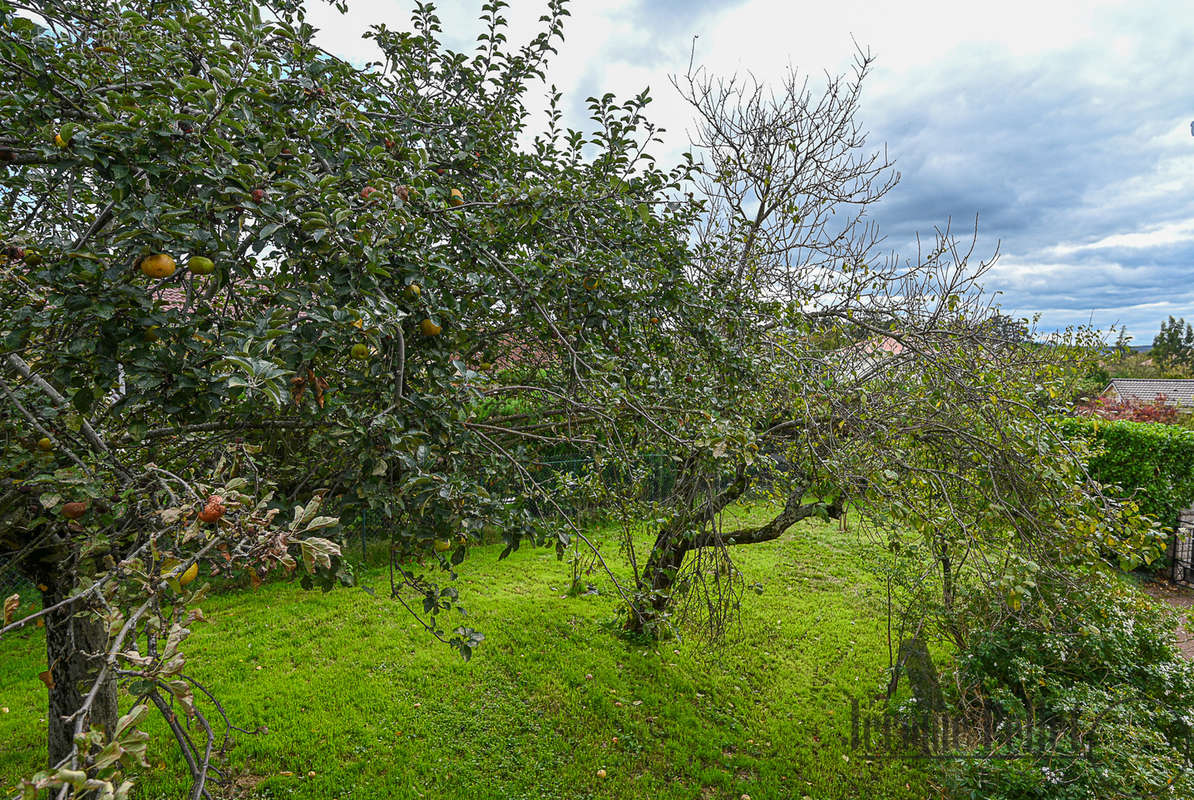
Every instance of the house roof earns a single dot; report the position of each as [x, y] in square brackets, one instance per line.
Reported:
[172, 298]
[1176, 391]
[885, 345]
[864, 360]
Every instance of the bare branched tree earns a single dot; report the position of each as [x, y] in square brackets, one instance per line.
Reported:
[886, 381]
[787, 171]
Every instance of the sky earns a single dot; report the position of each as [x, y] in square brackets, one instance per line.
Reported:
[1063, 126]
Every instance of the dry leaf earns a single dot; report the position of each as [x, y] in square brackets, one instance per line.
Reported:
[11, 604]
[47, 678]
[297, 388]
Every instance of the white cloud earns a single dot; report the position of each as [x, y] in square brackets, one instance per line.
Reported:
[1157, 236]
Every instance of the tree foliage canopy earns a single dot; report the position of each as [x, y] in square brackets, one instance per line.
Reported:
[1173, 346]
[394, 276]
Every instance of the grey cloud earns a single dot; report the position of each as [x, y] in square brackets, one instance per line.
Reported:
[671, 25]
[1065, 148]
[1045, 159]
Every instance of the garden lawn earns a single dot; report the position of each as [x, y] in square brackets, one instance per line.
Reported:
[360, 703]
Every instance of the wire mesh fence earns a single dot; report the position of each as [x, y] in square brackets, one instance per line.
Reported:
[12, 580]
[655, 478]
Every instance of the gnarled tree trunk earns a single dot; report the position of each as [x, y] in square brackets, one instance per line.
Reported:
[75, 651]
[678, 538]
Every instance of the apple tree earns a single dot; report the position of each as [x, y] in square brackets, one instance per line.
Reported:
[251, 289]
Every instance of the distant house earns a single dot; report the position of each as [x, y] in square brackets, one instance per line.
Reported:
[865, 360]
[1177, 392]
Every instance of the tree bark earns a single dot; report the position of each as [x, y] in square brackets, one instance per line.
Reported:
[672, 543]
[675, 540]
[75, 650]
[659, 575]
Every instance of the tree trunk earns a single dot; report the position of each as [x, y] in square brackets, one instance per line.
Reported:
[947, 582]
[667, 554]
[948, 593]
[659, 576]
[676, 539]
[75, 650]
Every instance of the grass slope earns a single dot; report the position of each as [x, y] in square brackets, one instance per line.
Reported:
[353, 691]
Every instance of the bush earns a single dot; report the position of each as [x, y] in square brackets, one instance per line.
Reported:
[1155, 461]
[1097, 652]
[1132, 410]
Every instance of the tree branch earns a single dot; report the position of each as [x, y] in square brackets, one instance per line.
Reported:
[18, 363]
[794, 511]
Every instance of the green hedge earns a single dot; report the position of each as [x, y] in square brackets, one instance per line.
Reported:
[1157, 460]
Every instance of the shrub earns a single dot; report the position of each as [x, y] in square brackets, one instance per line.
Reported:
[1133, 410]
[1097, 652]
[1154, 461]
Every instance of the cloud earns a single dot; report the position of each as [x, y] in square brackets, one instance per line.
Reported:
[1079, 165]
[1167, 235]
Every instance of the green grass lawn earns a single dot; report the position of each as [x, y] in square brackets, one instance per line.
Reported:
[360, 703]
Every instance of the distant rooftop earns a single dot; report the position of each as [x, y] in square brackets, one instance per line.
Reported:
[1176, 391]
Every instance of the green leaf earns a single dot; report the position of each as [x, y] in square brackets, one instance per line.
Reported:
[83, 400]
